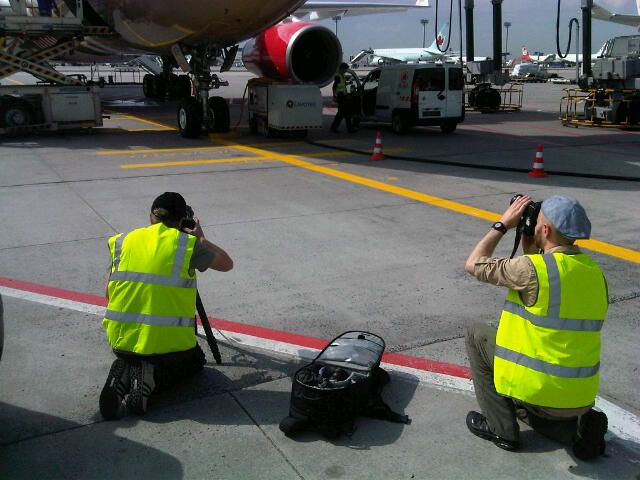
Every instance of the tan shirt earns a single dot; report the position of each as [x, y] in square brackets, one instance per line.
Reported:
[519, 274]
[516, 273]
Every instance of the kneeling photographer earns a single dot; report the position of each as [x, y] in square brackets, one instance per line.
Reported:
[152, 293]
[541, 364]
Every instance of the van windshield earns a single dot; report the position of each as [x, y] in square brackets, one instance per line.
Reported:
[430, 79]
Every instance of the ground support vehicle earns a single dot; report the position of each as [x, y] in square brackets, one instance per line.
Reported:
[614, 108]
[611, 97]
[488, 91]
[410, 94]
[29, 42]
[277, 108]
[29, 108]
[488, 98]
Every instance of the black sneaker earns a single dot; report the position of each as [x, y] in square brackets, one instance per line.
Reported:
[477, 424]
[142, 385]
[114, 392]
[589, 443]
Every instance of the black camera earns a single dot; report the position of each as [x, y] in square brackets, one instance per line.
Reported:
[188, 221]
[527, 223]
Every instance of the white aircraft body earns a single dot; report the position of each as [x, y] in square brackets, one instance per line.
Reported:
[602, 13]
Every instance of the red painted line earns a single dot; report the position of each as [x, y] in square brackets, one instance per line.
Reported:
[255, 331]
[54, 292]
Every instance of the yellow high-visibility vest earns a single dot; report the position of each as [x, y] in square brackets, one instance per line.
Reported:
[549, 354]
[341, 88]
[152, 291]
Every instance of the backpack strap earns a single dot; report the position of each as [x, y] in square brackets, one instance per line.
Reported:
[377, 408]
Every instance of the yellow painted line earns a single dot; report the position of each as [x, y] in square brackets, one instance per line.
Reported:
[611, 250]
[150, 122]
[595, 245]
[159, 129]
[198, 162]
[161, 150]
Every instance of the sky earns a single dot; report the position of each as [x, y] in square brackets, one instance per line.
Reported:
[533, 24]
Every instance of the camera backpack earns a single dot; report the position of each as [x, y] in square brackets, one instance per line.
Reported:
[343, 382]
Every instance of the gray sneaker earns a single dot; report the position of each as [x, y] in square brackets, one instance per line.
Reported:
[114, 393]
[142, 385]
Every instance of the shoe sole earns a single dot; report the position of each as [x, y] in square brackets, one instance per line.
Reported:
[140, 391]
[109, 400]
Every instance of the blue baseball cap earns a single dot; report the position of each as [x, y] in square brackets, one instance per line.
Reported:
[567, 216]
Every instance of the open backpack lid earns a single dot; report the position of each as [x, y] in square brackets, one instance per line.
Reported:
[353, 349]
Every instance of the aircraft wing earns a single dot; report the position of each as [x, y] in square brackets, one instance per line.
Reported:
[603, 14]
[323, 9]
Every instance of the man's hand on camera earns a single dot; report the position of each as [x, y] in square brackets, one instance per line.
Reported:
[196, 231]
[512, 215]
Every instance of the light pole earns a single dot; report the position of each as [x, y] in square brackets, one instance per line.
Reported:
[336, 19]
[424, 23]
[506, 42]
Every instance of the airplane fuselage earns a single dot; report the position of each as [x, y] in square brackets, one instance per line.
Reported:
[155, 26]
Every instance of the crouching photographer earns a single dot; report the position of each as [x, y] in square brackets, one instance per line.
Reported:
[152, 293]
[541, 364]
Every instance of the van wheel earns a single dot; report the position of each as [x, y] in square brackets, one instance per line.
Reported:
[448, 127]
[399, 123]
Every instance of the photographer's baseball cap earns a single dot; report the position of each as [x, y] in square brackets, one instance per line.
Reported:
[567, 215]
[173, 203]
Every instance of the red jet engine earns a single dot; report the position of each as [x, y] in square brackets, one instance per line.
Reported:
[301, 52]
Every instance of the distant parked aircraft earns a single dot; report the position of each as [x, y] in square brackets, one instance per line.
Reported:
[395, 55]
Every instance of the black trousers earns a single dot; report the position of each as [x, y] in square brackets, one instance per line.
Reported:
[502, 412]
[170, 368]
[344, 111]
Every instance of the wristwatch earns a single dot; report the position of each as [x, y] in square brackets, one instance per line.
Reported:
[500, 227]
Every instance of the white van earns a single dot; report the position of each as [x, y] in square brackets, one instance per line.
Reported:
[408, 95]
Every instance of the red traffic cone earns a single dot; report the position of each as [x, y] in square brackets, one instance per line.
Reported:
[377, 148]
[538, 164]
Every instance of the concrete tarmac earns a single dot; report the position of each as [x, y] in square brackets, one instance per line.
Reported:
[324, 240]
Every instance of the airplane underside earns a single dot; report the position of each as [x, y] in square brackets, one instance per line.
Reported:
[194, 35]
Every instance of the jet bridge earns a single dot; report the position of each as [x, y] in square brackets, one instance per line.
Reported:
[32, 34]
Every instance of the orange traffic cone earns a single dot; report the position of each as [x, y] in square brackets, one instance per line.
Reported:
[377, 148]
[538, 164]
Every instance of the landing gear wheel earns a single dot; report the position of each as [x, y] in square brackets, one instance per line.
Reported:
[159, 87]
[220, 109]
[189, 118]
[148, 85]
[399, 124]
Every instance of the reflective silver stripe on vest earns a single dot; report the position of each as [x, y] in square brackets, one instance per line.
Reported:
[150, 319]
[154, 278]
[118, 250]
[545, 367]
[570, 324]
[552, 319]
[553, 275]
[173, 280]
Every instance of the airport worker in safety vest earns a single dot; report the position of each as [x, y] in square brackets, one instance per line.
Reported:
[342, 99]
[541, 364]
[150, 317]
